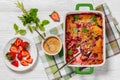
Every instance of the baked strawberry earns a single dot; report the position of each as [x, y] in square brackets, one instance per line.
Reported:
[24, 63]
[19, 56]
[55, 16]
[11, 55]
[15, 63]
[14, 49]
[25, 45]
[18, 41]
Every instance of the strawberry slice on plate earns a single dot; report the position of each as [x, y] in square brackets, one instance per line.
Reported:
[24, 63]
[14, 49]
[18, 41]
[11, 55]
[29, 60]
[25, 53]
[19, 56]
[15, 63]
[55, 16]
[20, 48]
[25, 45]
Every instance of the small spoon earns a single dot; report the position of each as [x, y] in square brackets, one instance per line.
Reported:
[42, 38]
[79, 52]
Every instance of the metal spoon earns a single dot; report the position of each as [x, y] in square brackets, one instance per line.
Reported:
[43, 38]
[79, 52]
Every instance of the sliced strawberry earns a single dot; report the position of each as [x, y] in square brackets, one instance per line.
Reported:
[25, 45]
[18, 41]
[20, 48]
[29, 60]
[55, 16]
[19, 56]
[25, 53]
[11, 55]
[15, 63]
[24, 63]
[14, 49]
[28, 56]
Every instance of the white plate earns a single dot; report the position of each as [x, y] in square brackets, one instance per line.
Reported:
[32, 50]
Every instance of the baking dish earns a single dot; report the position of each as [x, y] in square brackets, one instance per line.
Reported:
[70, 29]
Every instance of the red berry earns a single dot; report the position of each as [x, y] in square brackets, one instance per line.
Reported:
[55, 16]
[15, 63]
[25, 45]
[18, 42]
[11, 55]
[14, 49]
[19, 56]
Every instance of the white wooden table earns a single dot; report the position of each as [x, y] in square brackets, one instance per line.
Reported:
[8, 16]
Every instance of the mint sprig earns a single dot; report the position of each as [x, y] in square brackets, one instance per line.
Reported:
[30, 19]
[20, 31]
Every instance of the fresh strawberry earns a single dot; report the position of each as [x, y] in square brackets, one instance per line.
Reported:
[20, 48]
[28, 56]
[14, 49]
[55, 16]
[15, 63]
[25, 53]
[18, 41]
[19, 56]
[25, 45]
[11, 55]
[24, 63]
[29, 60]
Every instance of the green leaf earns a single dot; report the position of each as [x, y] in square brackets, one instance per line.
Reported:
[75, 30]
[30, 29]
[8, 57]
[16, 28]
[22, 31]
[33, 15]
[84, 30]
[96, 23]
[70, 52]
[33, 12]
[41, 27]
[76, 17]
[34, 27]
[93, 18]
[45, 22]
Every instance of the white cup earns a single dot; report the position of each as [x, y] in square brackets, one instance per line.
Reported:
[51, 54]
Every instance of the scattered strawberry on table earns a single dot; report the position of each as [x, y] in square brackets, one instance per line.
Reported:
[19, 54]
[55, 16]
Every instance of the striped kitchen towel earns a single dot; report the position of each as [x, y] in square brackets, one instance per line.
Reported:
[52, 63]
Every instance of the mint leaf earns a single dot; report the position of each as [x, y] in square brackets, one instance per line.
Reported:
[70, 52]
[45, 22]
[41, 27]
[96, 23]
[30, 29]
[22, 31]
[33, 12]
[75, 30]
[16, 27]
[34, 27]
[33, 15]
[84, 30]
[76, 17]
[93, 18]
